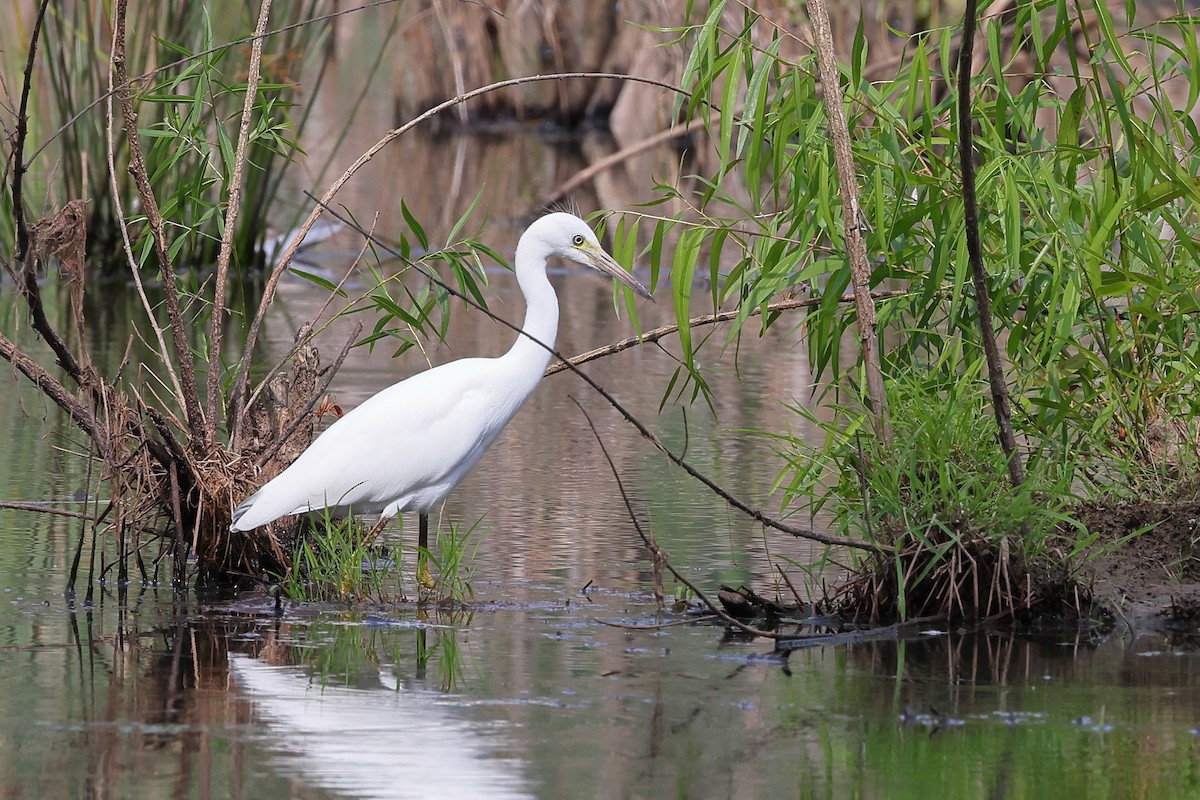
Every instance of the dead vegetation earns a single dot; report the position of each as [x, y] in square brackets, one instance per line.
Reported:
[968, 578]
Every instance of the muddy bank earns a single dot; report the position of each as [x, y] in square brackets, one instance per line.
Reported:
[1152, 578]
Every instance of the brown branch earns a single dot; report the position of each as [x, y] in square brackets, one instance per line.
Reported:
[37, 508]
[18, 156]
[595, 168]
[654, 335]
[231, 216]
[238, 394]
[983, 300]
[123, 227]
[856, 249]
[27, 279]
[137, 167]
[51, 387]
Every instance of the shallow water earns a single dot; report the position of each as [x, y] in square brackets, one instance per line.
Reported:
[541, 699]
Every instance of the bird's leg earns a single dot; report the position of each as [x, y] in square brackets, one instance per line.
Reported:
[424, 579]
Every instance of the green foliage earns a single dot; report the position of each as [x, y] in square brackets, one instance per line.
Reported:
[332, 563]
[1088, 190]
[189, 71]
[454, 562]
[942, 478]
[414, 301]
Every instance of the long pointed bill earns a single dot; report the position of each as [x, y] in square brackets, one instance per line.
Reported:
[601, 261]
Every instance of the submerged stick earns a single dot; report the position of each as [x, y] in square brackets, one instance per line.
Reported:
[38, 508]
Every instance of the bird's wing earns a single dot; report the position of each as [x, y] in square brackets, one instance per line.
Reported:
[426, 431]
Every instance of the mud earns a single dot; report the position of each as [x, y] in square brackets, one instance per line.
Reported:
[1146, 562]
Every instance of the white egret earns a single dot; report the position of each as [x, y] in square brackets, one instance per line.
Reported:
[408, 446]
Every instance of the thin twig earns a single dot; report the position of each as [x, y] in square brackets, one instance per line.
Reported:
[309, 330]
[19, 167]
[595, 168]
[233, 208]
[654, 335]
[318, 392]
[659, 556]
[657, 626]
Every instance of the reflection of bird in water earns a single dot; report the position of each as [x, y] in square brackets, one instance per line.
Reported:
[357, 740]
[408, 446]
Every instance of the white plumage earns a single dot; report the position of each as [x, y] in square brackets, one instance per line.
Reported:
[408, 446]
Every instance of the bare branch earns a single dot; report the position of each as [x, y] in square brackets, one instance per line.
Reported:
[660, 557]
[52, 388]
[596, 167]
[231, 216]
[110, 152]
[983, 299]
[38, 508]
[19, 166]
[856, 249]
[137, 166]
[695, 322]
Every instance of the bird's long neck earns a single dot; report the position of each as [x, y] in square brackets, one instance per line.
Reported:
[541, 309]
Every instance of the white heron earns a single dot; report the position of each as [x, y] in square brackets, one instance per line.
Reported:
[408, 446]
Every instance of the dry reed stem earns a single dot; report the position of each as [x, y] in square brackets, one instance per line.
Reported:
[856, 249]
[193, 414]
[233, 208]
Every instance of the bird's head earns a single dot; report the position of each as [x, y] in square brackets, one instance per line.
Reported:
[567, 236]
